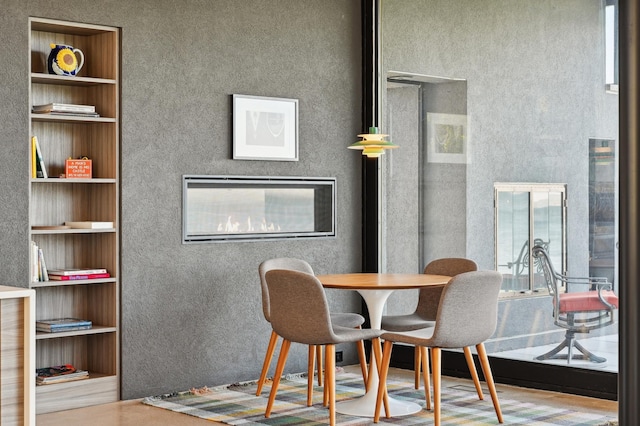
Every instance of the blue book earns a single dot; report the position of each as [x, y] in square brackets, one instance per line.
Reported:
[63, 324]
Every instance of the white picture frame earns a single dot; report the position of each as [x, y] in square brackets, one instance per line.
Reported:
[265, 128]
[448, 138]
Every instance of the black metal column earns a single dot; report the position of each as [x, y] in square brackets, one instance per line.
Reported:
[370, 114]
[628, 371]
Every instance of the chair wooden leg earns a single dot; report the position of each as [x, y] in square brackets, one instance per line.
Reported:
[319, 358]
[362, 357]
[436, 357]
[417, 353]
[325, 390]
[282, 360]
[330, 380]
[486, 369]
[310, 368]
[382, 385]
[424, 355]
[267, 361]
[472, 369]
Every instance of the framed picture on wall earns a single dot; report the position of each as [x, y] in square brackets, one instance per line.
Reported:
[448, 138]
[265, 128]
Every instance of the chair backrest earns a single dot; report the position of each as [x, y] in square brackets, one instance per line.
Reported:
[429, 297]
[550, 275]
[278, 263]
[299, 309]
[468, 310]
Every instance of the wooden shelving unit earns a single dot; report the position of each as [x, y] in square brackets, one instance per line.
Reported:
[56, 200]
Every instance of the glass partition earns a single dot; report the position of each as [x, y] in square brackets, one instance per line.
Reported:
[537, 85]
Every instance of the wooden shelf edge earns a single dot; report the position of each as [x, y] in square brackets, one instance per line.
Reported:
[52, 283]
[97, 329]
[70, 118]
[42, 78]
[65, 180]
[71, 231]
[66, 27]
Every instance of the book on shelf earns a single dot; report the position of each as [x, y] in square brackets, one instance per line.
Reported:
[35, 266]
[33, 159]
[39, 271]
[78, 375]
[60, 107]
[58, 374]
[90, 225]
[78, 271]
[63, 324]
[43, 273]
[41, 169]
[75, 114]
[78, 277]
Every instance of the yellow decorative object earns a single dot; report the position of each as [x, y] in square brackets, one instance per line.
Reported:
[63, 60]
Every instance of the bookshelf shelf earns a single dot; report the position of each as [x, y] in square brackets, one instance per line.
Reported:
[40, 284]
[71, 231]
[70, 119]
[41, 78]
[63, 180]
[54, 201]
[96, 329]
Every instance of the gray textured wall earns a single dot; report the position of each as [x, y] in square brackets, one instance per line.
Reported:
[535, 94]
[191, 314]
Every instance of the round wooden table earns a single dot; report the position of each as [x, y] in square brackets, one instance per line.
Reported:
[375, 289]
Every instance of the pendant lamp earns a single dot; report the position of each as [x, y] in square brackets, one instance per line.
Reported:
[373, 143]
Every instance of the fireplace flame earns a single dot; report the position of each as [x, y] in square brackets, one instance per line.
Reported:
[234, 226]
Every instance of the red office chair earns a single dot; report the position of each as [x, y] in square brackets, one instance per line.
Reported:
[577, 312]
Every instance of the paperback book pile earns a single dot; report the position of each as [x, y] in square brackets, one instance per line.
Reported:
[62, 324]
[77, 274]
[59, 374]
[66, 109]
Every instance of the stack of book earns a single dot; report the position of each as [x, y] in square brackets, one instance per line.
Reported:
[66, 109]
[77, 274]
[59, 374]
[58, 325]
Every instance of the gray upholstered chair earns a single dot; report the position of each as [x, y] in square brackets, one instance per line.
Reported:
[349, 320]
[300, 313]
[425, 313]
[467, 315]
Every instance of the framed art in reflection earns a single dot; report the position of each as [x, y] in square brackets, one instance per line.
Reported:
[448, 138]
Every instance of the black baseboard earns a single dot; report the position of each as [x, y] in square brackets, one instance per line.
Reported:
[533, 375]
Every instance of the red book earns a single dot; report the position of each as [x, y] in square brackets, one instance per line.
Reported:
[78, 277]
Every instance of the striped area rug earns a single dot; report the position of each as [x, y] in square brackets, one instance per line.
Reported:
[237, 405]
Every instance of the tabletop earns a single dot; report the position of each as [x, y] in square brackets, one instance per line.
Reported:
[376, 281]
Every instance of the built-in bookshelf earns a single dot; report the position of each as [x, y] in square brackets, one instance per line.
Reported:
[57, 199]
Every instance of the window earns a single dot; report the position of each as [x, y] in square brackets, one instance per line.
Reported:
[527, 213]
[611, 45]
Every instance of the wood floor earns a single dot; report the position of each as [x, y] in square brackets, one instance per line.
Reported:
[134, 413]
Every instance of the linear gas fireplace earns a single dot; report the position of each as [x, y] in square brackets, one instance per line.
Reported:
[239, 208]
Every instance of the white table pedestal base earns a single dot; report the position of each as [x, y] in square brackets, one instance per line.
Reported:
[366, 405]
